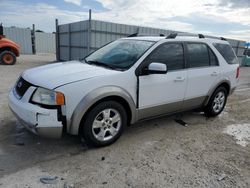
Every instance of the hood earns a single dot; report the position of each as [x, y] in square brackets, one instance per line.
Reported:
[58, 74]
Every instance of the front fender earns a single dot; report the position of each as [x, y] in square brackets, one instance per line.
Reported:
[94, 96]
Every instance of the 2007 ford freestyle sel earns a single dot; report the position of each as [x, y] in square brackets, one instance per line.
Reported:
[127, 80]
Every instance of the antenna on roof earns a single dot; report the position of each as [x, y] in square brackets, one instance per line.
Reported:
[133, 35]
[201, 36]
[172, 36]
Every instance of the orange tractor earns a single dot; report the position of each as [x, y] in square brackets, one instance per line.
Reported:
[9, 50]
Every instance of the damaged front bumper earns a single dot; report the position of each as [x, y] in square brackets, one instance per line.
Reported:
[38, 120]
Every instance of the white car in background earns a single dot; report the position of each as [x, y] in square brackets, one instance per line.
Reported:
[126, 81]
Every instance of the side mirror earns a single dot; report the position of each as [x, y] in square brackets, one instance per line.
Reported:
[157, 68]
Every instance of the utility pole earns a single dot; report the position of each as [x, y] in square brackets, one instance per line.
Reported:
[33, 39]
[57, 41]
[1, 29]
[89, 33]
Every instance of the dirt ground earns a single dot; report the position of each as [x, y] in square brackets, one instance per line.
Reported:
[155, 153]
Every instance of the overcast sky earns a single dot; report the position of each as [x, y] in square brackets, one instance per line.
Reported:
[228, 18]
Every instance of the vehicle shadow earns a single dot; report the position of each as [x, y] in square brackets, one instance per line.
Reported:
[184, 119]
[21, 149]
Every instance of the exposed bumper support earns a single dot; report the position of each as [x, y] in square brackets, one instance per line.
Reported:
[38, 120]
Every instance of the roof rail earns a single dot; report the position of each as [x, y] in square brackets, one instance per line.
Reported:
[133, 35]
[201, 36]
[136, 35]
[172, 36]
[222, 38]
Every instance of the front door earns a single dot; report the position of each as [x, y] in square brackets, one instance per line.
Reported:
[163, 93]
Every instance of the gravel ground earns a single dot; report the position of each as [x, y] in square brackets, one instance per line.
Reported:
[212, 152]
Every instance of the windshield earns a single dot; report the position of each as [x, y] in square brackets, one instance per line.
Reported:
[120, 54]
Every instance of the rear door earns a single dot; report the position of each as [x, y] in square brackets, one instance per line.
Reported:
[203, 71]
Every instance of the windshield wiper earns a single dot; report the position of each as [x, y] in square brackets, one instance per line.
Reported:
[98, 63]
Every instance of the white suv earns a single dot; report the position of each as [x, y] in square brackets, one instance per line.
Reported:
[125, 81]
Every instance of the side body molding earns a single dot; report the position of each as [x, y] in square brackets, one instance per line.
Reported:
[93, 97]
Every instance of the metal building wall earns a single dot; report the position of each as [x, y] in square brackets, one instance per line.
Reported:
[104, 32]
[45, 42]
[239, 48]
[21, 36]
[74, 40]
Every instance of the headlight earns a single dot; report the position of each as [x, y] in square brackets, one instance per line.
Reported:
[48, 97]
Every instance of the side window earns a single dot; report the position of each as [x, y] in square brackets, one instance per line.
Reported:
[213, 58]
[227, 52]
[197, 55]
[170, 54]
[247, 52]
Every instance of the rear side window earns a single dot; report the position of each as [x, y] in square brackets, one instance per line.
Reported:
[198, 55]
[227, 52]
[213, 58]
[170, 54]
[247, 52]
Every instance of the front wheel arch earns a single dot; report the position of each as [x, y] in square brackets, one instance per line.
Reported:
[89, 133]
[117, 99]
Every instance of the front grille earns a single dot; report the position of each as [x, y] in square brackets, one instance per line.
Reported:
[22, 86]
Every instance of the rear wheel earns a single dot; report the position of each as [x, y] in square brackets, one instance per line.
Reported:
[7, 58]
[217, 102]
[104, 123]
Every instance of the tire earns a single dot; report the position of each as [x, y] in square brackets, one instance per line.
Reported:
[105, 132]
[7, 58]
[217, 102]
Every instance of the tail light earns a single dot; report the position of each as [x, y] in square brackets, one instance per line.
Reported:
[238, 72]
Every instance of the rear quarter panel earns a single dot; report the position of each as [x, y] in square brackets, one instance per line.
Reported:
[228, 71]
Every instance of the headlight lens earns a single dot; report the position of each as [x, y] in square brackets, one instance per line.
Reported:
[48, 97]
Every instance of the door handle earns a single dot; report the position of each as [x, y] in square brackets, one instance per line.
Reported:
[214, 73]
[179, 79]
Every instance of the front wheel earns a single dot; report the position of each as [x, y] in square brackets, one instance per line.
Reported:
[217, 102]
[104, 123]
[8, 58]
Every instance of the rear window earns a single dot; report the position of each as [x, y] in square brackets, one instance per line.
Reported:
[227, 52]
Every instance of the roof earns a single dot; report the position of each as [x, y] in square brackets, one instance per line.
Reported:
[178, 38]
